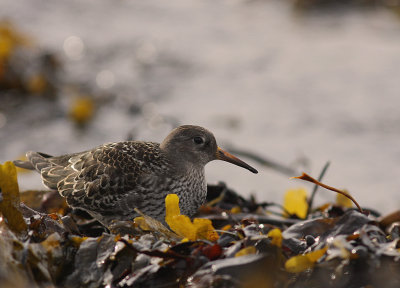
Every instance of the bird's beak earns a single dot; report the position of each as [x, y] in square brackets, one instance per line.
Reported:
[225, 156]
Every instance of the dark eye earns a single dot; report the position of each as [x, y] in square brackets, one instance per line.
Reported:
[198, 140]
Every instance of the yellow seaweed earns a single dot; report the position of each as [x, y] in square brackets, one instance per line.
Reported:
[300, 263]
[276, 237]
[183, 226]
[295, 202]
[343, 200]
[246, 251]
[9, 198]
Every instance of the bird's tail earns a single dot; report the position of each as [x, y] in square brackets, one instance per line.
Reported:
[42, 163]
[36, 161]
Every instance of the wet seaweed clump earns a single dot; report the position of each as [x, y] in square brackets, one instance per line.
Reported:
[25, 70]
[232, 242]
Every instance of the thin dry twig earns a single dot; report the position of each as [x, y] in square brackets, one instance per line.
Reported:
[308, 178]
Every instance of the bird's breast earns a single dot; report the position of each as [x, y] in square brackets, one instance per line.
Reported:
[191, 190]
[190, 187]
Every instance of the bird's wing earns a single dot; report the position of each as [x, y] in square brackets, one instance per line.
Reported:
[100, 178]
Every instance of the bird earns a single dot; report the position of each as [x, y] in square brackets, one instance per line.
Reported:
[113, 179]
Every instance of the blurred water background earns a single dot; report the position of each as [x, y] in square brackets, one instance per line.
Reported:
[298, 86]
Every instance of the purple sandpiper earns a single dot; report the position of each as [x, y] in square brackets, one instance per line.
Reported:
[111, 180]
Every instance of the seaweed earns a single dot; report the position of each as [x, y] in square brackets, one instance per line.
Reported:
[242, 244]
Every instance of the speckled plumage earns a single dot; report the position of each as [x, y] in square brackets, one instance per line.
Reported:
[111, 180]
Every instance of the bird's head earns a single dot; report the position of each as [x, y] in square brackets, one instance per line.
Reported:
[194, 145]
